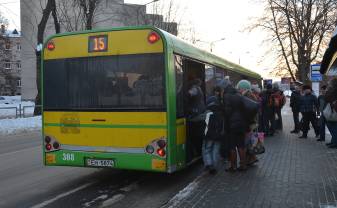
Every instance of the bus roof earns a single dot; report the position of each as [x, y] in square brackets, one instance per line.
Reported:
[179, 46]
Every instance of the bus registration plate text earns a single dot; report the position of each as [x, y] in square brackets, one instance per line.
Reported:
[99, 163]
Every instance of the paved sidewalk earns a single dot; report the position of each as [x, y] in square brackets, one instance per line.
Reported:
[292, 173]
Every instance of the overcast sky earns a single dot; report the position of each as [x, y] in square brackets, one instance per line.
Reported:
[214, 20]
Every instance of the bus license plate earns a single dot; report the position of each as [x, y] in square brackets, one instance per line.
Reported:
[99, 163]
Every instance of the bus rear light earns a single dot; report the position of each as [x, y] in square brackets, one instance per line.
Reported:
[149, 149]
[161, 144]
[153, 37]
[47, 139]
[50, 46]
[48, 147]
[56, 145]
[161, 152]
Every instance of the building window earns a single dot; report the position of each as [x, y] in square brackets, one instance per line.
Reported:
[18, 83]
[7, 45]
[18, 46]
[18, 65]
[7, 64]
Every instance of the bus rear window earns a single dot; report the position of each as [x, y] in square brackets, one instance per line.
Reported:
[129, 82]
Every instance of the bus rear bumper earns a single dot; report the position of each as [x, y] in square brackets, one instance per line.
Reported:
[134, 161]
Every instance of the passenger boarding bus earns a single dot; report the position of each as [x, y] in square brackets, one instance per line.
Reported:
[114, 98]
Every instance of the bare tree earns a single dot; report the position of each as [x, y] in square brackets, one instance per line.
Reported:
[50, 8]
[300, 29]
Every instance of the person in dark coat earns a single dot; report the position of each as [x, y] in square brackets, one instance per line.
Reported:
[295, 107]
[237, 127]
[309, 108]
[195, 122]
[268, 111]
[322, 122]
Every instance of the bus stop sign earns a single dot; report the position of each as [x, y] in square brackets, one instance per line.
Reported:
[315, 74]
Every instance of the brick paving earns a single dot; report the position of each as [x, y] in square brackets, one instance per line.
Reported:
[292, 173]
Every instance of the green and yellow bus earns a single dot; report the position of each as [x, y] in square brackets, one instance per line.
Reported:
[114, 98]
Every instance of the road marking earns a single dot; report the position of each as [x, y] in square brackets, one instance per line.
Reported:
[9, 153]
[45, 203]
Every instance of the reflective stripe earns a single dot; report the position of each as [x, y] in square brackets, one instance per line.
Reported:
[102, 149]
[207, 121]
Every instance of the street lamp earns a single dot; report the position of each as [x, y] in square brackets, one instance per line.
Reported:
[211, 44]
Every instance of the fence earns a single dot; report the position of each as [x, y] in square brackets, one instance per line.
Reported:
[19, 111]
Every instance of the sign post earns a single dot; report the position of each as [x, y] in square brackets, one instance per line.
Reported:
[315, 77]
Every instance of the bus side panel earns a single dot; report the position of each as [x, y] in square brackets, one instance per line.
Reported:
[181, 140]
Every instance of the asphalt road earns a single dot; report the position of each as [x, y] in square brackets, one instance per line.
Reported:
[25, 182]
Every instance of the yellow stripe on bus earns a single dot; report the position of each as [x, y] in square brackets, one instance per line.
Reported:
[119, 43]
[102, 129]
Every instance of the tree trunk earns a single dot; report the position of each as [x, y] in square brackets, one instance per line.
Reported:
[40, 34]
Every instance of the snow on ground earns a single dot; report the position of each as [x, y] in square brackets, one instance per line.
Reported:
[19, 125]
[10, 125]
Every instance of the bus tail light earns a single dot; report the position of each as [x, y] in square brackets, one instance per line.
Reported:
[56, 145]
[161, 152]
[157, 147]
[51, 144]
[50, 46]
[149, 149]
[153, 37]
[48, 147]
[47, 139]
[161, 143]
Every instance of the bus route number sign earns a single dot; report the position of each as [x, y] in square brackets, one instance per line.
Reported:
[98, 43]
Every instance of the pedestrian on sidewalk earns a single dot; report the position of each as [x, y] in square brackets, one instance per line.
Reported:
[279, 102]
[213, 134]
[237, 127]
[268, 111]
[322, 122]
[245, 89]
[295, 107]
[331, 99]
[309, 109]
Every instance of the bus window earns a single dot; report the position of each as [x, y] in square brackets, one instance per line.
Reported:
[108, 82]
[178, 65]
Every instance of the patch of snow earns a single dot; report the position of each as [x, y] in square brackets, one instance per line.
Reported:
[187, 191]
[113, 200]
[19, 125]
[102, 197]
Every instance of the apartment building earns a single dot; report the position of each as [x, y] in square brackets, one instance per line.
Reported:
[109, 13]
[10, 62]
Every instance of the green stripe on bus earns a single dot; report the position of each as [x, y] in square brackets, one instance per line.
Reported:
[137, 126]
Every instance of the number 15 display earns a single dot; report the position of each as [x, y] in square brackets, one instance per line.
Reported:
[98, 43]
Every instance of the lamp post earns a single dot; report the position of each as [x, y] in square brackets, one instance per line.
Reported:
[211, 44]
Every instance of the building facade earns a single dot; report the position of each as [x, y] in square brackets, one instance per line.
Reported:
[10, 62]
[109, 13]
